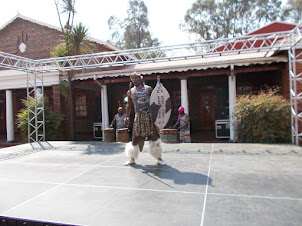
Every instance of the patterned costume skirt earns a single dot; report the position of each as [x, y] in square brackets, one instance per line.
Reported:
[143, 124]
[184, 137]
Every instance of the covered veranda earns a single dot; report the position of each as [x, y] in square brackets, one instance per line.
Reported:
[230, 55]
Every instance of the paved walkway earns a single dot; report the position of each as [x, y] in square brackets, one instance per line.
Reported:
[85, 183]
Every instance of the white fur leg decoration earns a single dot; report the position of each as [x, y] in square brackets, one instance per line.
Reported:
[156, 148]
[131, 151]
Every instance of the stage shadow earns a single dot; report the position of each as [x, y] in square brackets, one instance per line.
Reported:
[178, 177]
[103, 148]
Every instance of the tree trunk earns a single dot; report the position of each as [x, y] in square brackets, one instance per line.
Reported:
[69, 75]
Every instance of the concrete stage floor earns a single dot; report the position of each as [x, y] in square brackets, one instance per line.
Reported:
[85, 183]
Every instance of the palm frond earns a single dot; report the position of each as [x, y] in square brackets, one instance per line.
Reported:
[77, 39]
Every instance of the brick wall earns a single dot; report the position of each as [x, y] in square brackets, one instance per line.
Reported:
[299, 70]
[285, 82]
[56, 98]
[38, 39]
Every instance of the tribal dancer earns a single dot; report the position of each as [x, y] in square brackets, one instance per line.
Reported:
[143, 126]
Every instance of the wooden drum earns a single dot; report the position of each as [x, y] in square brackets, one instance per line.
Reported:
[169, 135]
[109, 135]
[123, 135]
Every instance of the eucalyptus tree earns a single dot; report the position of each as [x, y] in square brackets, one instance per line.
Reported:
[133, 32]
[269, 10]
[212, 19]
[293, 10]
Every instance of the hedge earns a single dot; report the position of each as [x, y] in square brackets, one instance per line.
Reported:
[262, 117]
[52, 119]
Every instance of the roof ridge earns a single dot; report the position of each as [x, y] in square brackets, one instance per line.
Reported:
[30, 20]
[273, 22]
[110, 46]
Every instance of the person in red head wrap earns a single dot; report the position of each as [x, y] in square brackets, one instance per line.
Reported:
[183, 121]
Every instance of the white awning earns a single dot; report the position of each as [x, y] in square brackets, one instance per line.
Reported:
[186, 65]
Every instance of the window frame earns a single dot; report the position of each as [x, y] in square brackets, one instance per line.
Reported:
[76, 111]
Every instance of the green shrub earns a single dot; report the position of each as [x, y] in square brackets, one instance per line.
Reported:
[262, 118]
[52, 119]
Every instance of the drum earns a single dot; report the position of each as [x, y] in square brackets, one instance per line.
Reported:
[169, 135]
[123, 135]
[109, 135]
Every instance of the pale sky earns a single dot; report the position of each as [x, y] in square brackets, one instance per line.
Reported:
[164, 16]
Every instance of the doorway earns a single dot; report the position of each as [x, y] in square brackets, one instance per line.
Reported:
[207, 110]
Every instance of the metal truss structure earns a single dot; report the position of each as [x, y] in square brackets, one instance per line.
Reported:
[295, 83]
[213, 48]
[35, 107]
[289, 41]
[11, 61]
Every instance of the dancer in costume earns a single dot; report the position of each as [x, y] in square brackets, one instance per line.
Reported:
[119, 120]
[184, 126]
[143, 126]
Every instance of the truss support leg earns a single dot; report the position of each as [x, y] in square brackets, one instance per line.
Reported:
[295, 75]
[35, 107]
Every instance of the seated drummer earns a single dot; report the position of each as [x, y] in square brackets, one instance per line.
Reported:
[119, 121]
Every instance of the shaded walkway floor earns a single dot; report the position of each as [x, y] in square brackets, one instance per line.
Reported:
[85, 183]
[18, 140]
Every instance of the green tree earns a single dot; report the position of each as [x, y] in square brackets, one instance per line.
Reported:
[77, 39]
[133, 33]
[263, 118]
[116, 27]
[269, 10]
[59, 51]
[212, 19]
[293, 10]
[75, 43]
[52, 119]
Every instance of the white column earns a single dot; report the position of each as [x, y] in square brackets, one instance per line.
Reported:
[232, 100]
[184, 94]
[10, 133]
[105, 115]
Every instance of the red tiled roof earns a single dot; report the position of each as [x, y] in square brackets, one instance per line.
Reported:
[275, 26]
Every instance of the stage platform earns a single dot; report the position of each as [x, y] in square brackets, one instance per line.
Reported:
[85, 183]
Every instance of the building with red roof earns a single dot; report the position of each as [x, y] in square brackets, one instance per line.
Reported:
[204, 86]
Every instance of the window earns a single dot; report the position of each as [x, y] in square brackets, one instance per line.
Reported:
[80, 106]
